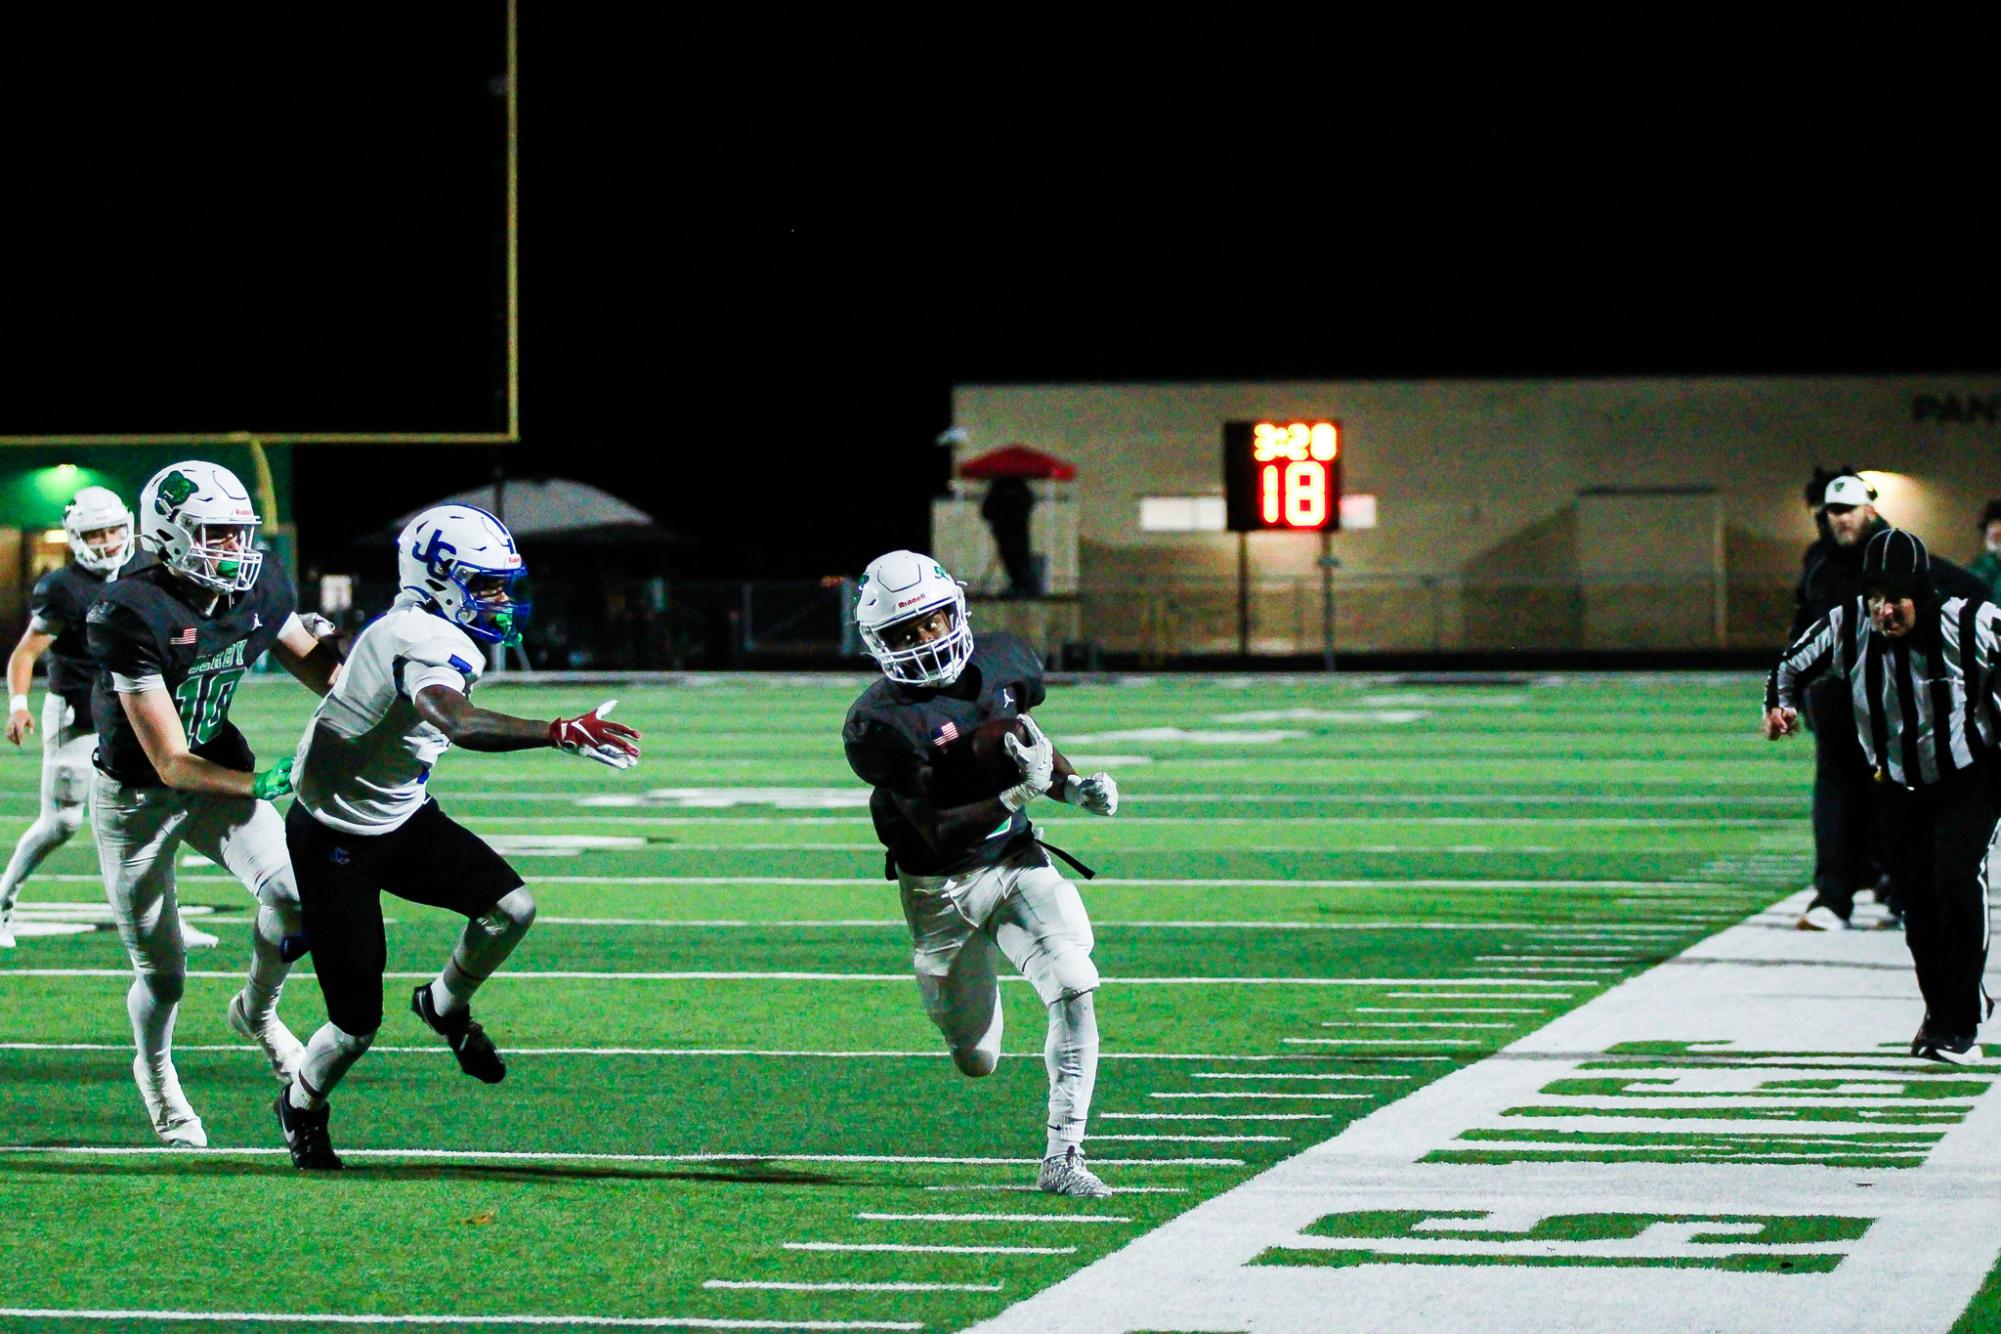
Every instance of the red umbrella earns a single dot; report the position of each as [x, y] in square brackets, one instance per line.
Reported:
[1017, 461]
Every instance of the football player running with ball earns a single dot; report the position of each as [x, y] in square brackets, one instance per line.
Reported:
[973, 877]
[170, 644]
[363, 821]
[102, 547]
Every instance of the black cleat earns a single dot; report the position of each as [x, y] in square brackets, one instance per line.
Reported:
[306, 1136]
[1923, 1035]
[1949, 1047]
[468, 1041]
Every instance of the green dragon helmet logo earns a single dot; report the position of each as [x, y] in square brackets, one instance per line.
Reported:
[174, 492]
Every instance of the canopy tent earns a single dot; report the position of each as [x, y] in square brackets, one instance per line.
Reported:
[1018, 460]
[558, 510]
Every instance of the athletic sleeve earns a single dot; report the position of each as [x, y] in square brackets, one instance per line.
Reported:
[51, 608]
[438, 659]
[1031, 679]
[123, 644]
[1807, 657]
[879, 757]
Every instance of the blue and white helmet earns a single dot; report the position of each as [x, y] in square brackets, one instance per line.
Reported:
[447, 550]
[899, 589]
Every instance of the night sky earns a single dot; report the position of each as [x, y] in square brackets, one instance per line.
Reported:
[755, 256]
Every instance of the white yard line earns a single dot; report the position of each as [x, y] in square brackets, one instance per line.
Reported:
[1125, 1191]
[1215, 1116]
[894, 1248]
[929, 1054]
[1195, 1139]
[517, 1155]
[766, 1286]
[452, 1321]
[1279, 1097]
[1356, 1023]
[1734, 1043]
[1384, 1042]
[552, 975]
[1231, 1074]
[992, 1218]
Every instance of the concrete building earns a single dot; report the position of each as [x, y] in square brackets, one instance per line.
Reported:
[1615, 515]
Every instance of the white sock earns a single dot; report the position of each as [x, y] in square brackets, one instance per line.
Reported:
[267, 970]
[1071, 1055]
[483, 946]
[330, 1054]
[152, 1015]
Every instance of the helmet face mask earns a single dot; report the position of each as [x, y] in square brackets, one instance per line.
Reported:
[99, 529]
[197, 518]
[462, 563]
[899, 594]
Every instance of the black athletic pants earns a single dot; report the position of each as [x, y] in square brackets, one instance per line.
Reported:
[430, 858]
[1847, 821]
[1937, 844]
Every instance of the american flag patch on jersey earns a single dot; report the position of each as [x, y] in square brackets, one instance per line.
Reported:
[186, 636]
[946, 734]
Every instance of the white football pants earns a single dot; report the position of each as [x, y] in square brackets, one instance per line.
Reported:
[140, 831]
[1027, 911]
[66, 775]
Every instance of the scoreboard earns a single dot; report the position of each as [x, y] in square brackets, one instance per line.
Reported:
[1282, 476]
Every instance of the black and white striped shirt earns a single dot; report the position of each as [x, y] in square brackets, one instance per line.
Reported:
[1925, 705]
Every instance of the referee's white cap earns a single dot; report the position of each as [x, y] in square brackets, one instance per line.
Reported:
[1848, 489]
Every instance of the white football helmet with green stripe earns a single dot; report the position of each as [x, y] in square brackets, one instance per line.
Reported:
[199, 520]
[894, 606]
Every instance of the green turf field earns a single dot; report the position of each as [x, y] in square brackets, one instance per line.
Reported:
[724, 1103]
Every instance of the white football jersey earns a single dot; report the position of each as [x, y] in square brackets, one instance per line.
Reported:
[363, 763]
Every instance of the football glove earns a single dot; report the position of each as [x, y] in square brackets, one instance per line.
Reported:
[318, 626]
[1098, 794]
[594, 738]
[1037, 762]
[274, 782]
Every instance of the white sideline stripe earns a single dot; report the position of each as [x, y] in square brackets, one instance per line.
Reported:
[848, 1287]
[1064, 822]
[992, 1218]
[519, 1155]
[588, 976]
[454, 1320]
[1215, 1116]
[1283, 1097]
[927, 1250]
[1356, 1023]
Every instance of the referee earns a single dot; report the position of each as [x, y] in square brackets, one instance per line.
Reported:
[1921, 677]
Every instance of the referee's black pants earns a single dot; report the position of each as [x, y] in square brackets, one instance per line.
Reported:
[1847, 828]
[1937, 842]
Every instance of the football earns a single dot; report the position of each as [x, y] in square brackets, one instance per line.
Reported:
[975, 765]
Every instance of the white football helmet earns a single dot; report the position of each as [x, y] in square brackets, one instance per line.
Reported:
[902, 587]
[197, 518]
[462, 562]
[91, 510]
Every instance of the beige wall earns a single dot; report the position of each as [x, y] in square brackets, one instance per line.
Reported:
[1477, 490]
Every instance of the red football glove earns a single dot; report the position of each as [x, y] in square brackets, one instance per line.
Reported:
[606, 742]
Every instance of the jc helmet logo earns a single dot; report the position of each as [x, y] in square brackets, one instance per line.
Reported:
[437, 557]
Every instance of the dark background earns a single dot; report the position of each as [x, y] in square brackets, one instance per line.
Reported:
[755, 258]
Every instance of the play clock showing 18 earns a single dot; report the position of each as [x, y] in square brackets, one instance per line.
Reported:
[1282, 475]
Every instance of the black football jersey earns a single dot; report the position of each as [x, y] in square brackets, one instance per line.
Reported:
[895, 734]
[58, 604]
[144, 626]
